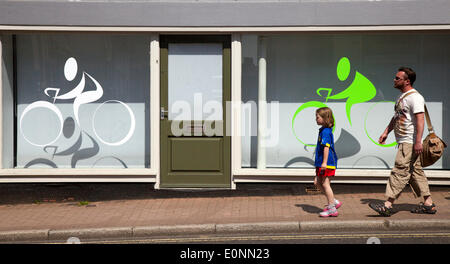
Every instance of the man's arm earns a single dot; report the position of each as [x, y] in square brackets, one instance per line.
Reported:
[389, 128]
[418, 148]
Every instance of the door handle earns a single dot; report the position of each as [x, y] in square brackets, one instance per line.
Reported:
[164, 113]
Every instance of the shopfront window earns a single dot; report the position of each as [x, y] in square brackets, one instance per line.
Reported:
[352, 73]
[82, 101]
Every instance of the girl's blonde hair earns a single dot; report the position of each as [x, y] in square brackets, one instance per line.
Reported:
[327, 116]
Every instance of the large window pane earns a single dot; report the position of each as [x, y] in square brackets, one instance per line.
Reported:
[83, 101]
[314, 67]
[195, 81]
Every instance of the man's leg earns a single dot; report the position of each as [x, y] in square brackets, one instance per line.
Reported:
[419, 182]
[400, 174]
[420, 186]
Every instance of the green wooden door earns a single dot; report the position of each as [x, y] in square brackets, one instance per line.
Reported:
[195, 86]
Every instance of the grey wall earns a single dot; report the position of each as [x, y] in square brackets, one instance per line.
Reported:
[225, 13]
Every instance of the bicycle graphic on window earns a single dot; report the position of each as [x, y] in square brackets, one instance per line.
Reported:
[80, 97]
[359, 91]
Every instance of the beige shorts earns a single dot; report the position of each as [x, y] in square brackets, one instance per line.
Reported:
[407, 169]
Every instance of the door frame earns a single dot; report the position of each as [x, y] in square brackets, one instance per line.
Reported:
[225, 178]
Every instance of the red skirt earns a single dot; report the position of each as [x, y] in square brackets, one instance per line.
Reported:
[327, 173]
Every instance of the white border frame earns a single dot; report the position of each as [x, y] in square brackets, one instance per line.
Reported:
[236, 70]
[155, 105]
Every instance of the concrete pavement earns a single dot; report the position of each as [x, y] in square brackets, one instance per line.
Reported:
[41, 212]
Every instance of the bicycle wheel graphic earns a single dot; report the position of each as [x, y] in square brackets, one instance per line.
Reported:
[365, 126]
[315, 104]
[130, 130]
[45, 105]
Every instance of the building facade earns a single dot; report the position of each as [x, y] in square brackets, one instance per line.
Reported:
[209, 94]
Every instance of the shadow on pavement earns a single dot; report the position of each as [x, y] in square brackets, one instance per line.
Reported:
[309, 208]
[397, 207]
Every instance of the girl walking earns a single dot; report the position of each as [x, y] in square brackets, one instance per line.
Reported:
[326, 160]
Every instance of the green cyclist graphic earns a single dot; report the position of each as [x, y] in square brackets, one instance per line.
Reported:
[359, 91]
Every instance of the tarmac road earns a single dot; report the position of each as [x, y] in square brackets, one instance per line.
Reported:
[404, 237]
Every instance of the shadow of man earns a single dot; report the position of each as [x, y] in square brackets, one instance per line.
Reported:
[397, 207]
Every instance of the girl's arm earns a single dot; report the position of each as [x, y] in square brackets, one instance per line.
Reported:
[326, 150]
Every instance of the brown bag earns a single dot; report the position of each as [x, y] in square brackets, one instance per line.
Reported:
[433, 146]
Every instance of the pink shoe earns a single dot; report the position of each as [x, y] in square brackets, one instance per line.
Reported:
[331, 211]
[337, 204]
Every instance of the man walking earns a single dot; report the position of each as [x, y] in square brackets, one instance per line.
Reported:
[408, 126]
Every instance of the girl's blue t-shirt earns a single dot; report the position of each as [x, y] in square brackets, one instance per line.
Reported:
[326, 139]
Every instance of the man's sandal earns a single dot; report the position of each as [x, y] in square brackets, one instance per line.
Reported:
[424, 209]
[382, 209]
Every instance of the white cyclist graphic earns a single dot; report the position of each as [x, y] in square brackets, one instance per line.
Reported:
[80, 97]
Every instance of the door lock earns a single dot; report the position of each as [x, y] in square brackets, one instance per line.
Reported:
[163, 113]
